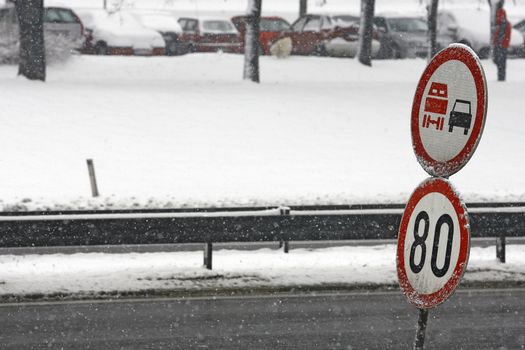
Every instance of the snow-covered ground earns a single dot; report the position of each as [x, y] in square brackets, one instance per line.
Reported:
[187, 131]
[92, 273]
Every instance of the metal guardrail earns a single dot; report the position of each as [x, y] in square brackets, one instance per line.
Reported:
[214, 225]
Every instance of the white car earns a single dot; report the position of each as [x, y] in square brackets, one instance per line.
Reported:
[328, 35]
[167, 26]
[471, 26]
[120, 33]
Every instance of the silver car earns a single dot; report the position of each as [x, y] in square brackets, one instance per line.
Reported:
[402, 36]
[59, 23]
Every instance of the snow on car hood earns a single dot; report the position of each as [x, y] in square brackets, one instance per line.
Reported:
[161, 23]
[121, 29]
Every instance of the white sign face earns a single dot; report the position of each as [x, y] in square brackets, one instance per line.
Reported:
[433, 244]
[449, 111]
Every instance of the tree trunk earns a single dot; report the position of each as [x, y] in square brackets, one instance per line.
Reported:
[432, 28]
[366, 32]
[303, 7]
[492, 6]
[251, 41]
[30, 15]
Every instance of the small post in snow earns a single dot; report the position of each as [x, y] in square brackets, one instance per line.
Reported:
[92, 178]
[208, 251]
[419, 342]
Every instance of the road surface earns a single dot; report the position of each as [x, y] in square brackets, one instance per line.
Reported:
[471, 319]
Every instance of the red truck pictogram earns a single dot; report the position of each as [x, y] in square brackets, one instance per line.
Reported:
[436, 102]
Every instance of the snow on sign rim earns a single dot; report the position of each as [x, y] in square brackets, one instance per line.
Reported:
[449, 111]
[430, 264]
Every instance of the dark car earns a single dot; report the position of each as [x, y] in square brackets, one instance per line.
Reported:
[270, 30]
[460, 116]
[209, 35]
[327, 35]
[520, 26]
[402, 36]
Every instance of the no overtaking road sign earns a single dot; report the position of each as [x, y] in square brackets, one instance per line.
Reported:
[449, 110]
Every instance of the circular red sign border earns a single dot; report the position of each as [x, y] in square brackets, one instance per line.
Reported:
[465, 55]
[431, 300]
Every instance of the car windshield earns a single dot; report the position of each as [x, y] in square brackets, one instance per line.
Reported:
[407, 24]
[54, 15]
[217, 26]
[273, 25]
[462, 106]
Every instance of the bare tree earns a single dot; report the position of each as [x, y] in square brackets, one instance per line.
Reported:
[366, 31]
[303, 8]
[432, 27]
[251, 41]
[30, 15]
[492, 7]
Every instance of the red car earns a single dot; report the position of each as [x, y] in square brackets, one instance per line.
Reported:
[209, 35]
[270, 30]
[327, 35]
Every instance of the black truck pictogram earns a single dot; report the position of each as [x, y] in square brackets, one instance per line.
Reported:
[460, 116]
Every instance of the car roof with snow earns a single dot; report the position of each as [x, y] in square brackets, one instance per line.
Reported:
[162, 22]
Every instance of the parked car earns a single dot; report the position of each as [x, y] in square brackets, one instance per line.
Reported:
[471, 27]
[327, 35]
[167, 26]
[270, 30]
[520, 26]
[402, 36]
[209, 35]
[120, 33]
[59, 22]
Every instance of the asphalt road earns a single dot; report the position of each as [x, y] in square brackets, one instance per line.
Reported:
[471, 319]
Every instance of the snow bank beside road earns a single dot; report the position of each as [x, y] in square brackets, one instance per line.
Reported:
[187, 131]
[94, 273]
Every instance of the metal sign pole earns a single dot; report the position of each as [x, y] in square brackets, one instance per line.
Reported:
[419, 342]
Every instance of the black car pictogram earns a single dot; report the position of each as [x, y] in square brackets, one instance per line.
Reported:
[460, 116]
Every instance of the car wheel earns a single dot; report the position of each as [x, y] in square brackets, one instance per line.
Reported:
[260, 50]
[171, 48]
[101, 48]
[320, 50]
[484, 52]
[465, 42]
[395, 52]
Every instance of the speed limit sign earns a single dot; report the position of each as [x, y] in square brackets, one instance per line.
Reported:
[433, 243]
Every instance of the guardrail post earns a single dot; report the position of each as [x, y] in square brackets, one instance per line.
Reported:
[285, 244]
[500, 247]
[208, 250]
